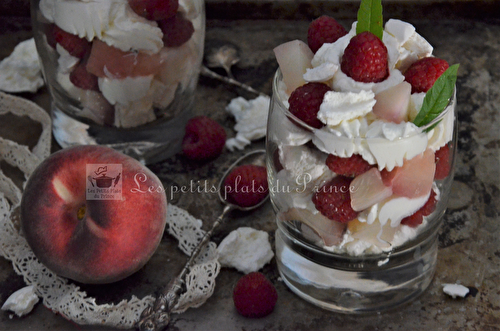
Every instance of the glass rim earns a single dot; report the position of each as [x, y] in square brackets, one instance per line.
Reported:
[278, 76]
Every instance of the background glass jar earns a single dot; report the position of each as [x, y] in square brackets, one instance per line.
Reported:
[387, 253]
[119, 73]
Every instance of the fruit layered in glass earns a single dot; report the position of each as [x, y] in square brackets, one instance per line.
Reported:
[120, 63]
[361, 137]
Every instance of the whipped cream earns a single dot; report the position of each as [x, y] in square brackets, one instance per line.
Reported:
[112, 21]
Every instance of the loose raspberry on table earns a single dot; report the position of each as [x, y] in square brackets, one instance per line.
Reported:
[76, 46]
[254, 295]
[204, 139]
[333, 200]
[324, 29]
[348, 166]
[365, 59]
[423, 73]
[154, 10]
[246, 185]
[443, 162]
[417, 218]
[176, 30]
[83, 79]
[305, 102]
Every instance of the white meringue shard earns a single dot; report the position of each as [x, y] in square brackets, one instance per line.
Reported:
[245, 249]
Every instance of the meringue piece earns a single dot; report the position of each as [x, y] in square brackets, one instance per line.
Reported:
[134, 113]
[343, 106]
[21, 70]
[22, 301]
[396, 208]
[126, 90]
[455, 290]
[245, 249]
[251, 120]
[66, 62]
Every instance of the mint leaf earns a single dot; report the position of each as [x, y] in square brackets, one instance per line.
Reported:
[438, 97]
[370, 18]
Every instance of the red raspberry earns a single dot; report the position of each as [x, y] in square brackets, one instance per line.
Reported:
[176, 30]
[423, 73]
[204, 139]
[348, 166]
[365, 59]
[154, 10]
[254, 295]
[83, 79]
[323, 30]
[305, 101]
[443, 162]
[246, 185]
[427, 209]
[333, 200]
[75, 45]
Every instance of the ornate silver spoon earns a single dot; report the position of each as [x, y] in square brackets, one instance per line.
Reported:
[157, 316]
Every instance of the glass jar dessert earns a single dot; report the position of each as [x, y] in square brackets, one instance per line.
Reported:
[121, 73]
[359, 173]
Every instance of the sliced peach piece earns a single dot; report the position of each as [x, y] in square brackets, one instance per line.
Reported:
[368, 189]
[392, 104]
[111, 62]
[330, 232]
[414, 178]
[293, 57]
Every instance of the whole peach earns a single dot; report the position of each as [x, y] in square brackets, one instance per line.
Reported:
[93, 240]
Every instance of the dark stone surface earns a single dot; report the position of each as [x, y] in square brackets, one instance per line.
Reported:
[469, 250]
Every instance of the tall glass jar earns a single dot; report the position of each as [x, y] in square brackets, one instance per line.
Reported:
[385, 253]
[121, 73]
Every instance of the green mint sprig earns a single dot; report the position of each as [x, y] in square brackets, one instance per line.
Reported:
[370, 18]
[437, 97]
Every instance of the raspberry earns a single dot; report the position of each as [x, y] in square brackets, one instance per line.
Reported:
[83, 79]
[417, 218]
[76, 46]
[254, 295]
[246, 185]
[176, 30]
[305, 101]
[204, 139]
[323, 30]
[333, 200]
[154, 10]
[348, 166]
[423, 73]
[365, 59]
[443, 162]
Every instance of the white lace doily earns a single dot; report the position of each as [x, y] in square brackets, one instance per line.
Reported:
[59, 294]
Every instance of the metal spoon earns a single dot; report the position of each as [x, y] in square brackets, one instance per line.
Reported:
[157, 317]
[224, 56]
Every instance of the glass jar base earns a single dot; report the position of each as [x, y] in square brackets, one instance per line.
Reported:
[147, 143]
[356, 290]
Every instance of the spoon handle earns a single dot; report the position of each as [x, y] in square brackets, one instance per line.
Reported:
[157, 317]
[207, 72]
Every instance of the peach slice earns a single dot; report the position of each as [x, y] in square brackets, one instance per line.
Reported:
[368, 189]
[330, 232]
[414, 178]
[392, 104]
[111, 62]
[293, 57]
